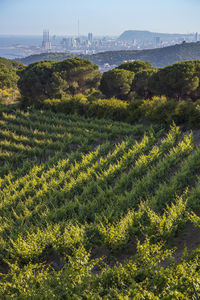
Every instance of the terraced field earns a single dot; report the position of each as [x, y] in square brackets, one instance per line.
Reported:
[93, 209]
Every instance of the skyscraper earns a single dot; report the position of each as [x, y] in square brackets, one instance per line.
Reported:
[157, 41]
[196, 37]
[90, 37]
[46, 44]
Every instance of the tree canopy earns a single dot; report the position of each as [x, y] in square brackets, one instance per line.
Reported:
[136, 66]
[116, 83]
[179, 80]
[8, 77]
[141, 83]
[49, 79]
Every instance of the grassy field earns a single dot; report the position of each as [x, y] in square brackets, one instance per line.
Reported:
[95, 209]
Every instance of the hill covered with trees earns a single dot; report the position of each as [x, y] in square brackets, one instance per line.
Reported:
[55, 56]
[159, 57]
[10, 64]
[8, 73]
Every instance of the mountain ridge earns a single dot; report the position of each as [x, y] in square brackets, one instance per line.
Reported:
[129, 35]
[159, 57]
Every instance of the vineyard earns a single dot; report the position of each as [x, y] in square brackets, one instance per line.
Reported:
[95, 209]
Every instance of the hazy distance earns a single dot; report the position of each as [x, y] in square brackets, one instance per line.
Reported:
[105, 17]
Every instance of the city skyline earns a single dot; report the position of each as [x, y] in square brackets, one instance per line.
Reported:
[22, 17]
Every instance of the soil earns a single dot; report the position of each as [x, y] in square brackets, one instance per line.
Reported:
[188, 238]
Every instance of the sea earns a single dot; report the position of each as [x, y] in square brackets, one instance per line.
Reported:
[16, 46]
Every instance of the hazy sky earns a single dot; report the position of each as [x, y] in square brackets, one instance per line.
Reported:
[105, 17]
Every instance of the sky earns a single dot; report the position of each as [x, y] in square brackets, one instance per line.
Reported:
[101, 17]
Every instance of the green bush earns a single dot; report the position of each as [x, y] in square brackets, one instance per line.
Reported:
[187, 113]
[134, 111]
[109, 108]
[69, 105]
[8, 77]
[158, 110]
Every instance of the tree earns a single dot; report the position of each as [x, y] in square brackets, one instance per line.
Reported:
[8, 77]
[37, 81]
[136, 66]
[79, 73]
[116, 83]
[49, 79]
[179, 80]
[141, 83]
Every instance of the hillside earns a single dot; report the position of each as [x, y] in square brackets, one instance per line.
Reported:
[10, 64]
[159, 57]
[45, 56]
[76, 190]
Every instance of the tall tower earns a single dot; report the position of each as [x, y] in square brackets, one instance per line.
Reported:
[78, 28]
[157, 41]
[90, 37]
[46, 44]
[196, 37]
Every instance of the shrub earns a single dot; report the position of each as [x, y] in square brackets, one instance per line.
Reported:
[109, 108]
[8, 77]
[158, 110]
[134, 111]
[187, 113]
[69, 105]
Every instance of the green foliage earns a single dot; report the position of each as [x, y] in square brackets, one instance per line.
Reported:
[159, 57]
[141, 83]
[115, 235]
[179, 80]
[69, 105]
[165, 226]
[89, 208]
[116, 83]
[49, 79]
[108, 108]
[187, 113]
[80, 74]
[136, 66]
[11, 64]
[159, 109]
[55, 56]
[37, 82]
[8, 77]
[61, 86]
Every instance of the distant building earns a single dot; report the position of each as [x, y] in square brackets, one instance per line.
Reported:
[46, 44]
[196, 37]
[69, 43]
[157, 41]
[90, 37]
